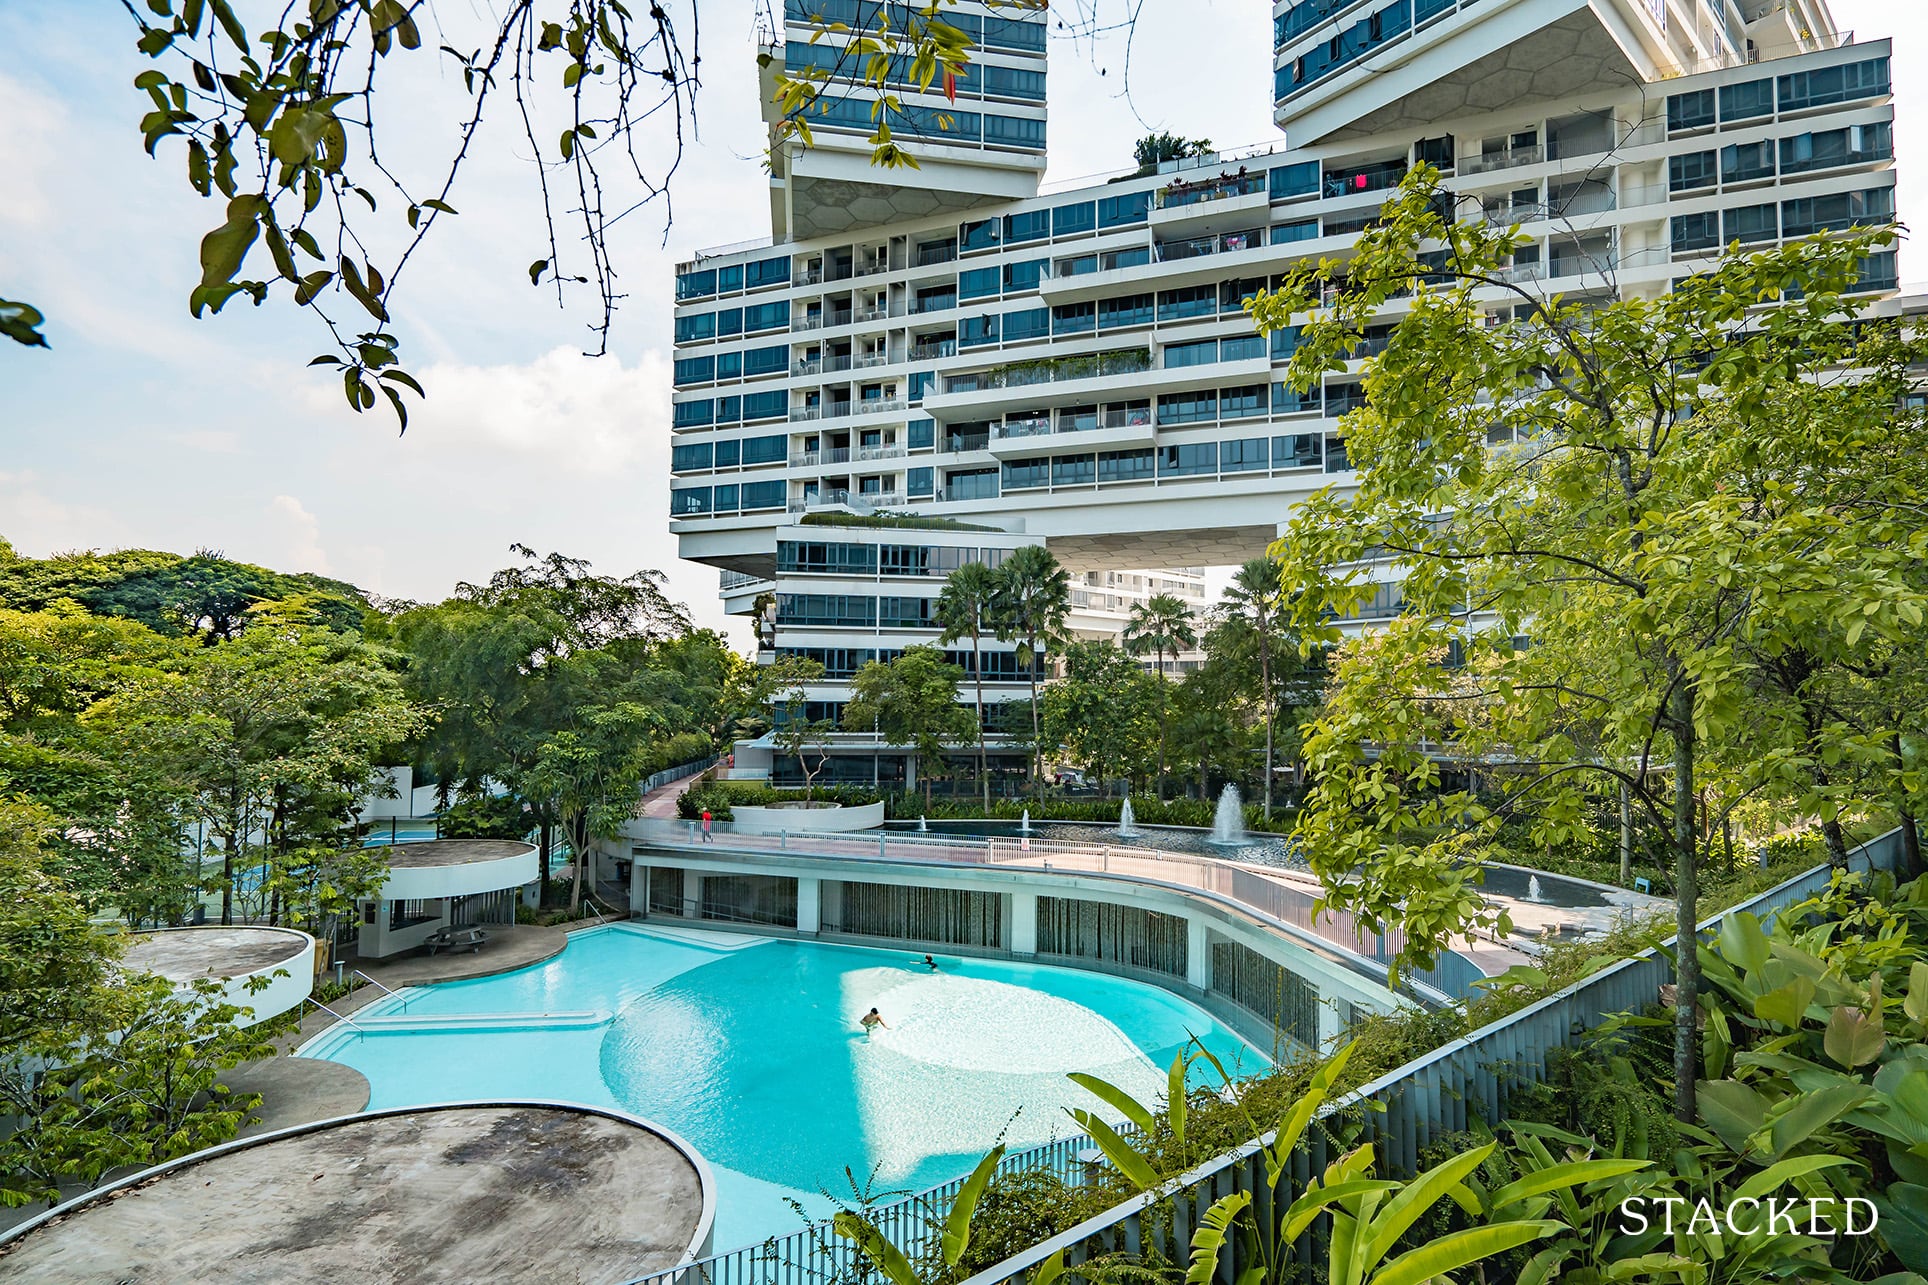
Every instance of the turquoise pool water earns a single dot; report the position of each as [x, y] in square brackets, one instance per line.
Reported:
[750, 1049]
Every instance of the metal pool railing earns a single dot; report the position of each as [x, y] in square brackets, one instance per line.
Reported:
[1269, 896]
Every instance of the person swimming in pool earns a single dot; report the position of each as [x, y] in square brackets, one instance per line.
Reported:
[930, 963]
[872, 1020]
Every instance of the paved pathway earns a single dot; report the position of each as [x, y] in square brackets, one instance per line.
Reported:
[660, 803]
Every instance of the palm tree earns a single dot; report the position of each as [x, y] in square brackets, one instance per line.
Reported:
[967, 608]
[1033, 599]
[1160, 624]
[1253, 598]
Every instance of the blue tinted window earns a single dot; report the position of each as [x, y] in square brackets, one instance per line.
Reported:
[729, 365]
[725, 499]
[766, 450]
[729, 409]
[695, 285]
[1125, 466]
[974, 332]
[766, 361]
[729, 453]
[1073, 470]
[1192, 457]
[694, 414]
[702, 325]
[1127, 208]
[1128, 310]
[1023, 276]
[694, 370]
[1242, 455]
[919, 482]
[1012, 82]
[766, 405]
[691, 500]
[1302, 230]
[1301, 179]
[1066, 219]
[687, 457]
[1033, 225]
[1201, 353]
[1188, 408]
[979, 235]
[1074, 318]
[729, 279]
[767, 316]
[762, 495]
[1014, 33]
[769, 272]
[922, 433]
[729, 321]
[1241, 348]
[1032, 323]
[977, 283]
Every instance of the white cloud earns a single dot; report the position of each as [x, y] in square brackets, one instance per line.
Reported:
[39, 524]
[302, 533]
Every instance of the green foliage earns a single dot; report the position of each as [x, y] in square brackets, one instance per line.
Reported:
[99, 1069]
[485, 816]
[898, 521]
[912, 701]
[21, 322]
[1154, 149]
[1104, 711]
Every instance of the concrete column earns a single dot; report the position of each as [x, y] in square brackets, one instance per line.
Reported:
[1332, 1014]
[1198, 954]
[692, 894]
[638, 887]
[809, 905]
[1024, 923]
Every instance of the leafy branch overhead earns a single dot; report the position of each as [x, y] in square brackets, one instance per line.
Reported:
[284, 128]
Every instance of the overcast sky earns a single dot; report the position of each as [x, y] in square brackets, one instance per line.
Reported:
[145, 428]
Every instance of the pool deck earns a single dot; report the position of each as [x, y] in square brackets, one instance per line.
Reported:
[489, 1192]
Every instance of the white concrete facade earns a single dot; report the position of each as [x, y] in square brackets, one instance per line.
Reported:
[1076, 369]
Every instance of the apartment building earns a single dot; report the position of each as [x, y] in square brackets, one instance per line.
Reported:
[1074, 367]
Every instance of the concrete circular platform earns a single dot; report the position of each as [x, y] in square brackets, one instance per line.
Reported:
[296, 1091]
[235, 957]
[535, 1192]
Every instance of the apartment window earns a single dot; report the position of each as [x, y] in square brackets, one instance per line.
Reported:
[1234, 295]
[1188, 408]
[827, 610]
[975, 332]
[1032, 225]
[1301, 179]
[1838, 211]
[1013, 33]
[1069, 219]
[688, 458]
[767, 361]
[1298, 230]
[768, 405]
[729, 280]
[1244, 402]
[723, 499]
[1201, 353]
[729, 365]
[1241, 348]
[1009, 82]
[1287, 400]
[691, 500]
[1074, 318]
[1854, 145]
[1073, 470]
[765, 450]
[1124, 209]
[1744, 162]
[1437, 152]
[1127, 310]
[1024, 275]
[1691, 111]
[729, 322]
[921, 382]
[977, 283]
[1190, 301]
[1284, 343]
[1022, 474]
[729, 410]
[763, 495]
[1695, 231]
[1750, 223]
[1335, 456]
[729, 453]
[698, 326]
[767, 272]
[1695, 169]
[693, 370]
[919, 483]
[1297, 450]
[1076, 266]
[1133, 258]
[981, 234]
[1189, 459]
[1840, 84]
[1747, 102]
[1340, 398]
[1031, 323]
[922, 434]
[902, 612]
[1126, 466]
[1242, 455]
[824, 557]
[971, 484]
[697, 414]
[695, 285]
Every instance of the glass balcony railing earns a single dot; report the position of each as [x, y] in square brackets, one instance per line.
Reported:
[1505, 159]
[1128, 361]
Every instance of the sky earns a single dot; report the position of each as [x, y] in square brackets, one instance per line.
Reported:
[143, 427]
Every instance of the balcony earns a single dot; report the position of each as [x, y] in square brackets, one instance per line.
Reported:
[821, 365]
[931, 352]
[933, 303]
[932, 255]
[818, 320]
[1361, 180]
[1198, 247]
[827, 410]
[811, 459]
[1505, 159]
[864, 361]
[1026, 374]
[1179, 193]
[861, 502]
[893, 451]
[1114, 428]
[874, 406]
[874, 313]
[1035, 426]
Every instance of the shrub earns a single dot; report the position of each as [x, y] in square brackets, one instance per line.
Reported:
[498, 816]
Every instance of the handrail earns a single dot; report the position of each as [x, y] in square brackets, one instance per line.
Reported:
[332, 1013]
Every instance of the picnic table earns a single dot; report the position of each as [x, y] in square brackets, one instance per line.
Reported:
[456, 937]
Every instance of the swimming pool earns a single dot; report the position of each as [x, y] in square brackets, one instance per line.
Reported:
[750, 1048]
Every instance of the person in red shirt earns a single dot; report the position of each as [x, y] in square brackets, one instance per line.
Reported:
[708, 837]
